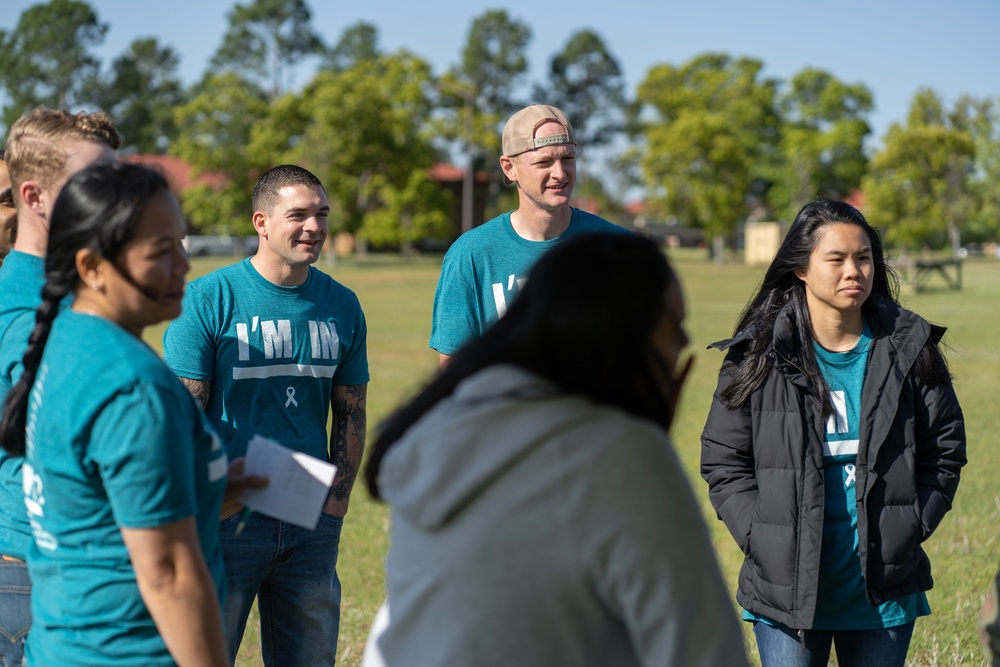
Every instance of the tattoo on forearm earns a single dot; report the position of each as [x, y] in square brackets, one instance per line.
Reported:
[199, 389]
[349, 424]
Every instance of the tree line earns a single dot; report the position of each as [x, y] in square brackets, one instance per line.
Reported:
[711, 142]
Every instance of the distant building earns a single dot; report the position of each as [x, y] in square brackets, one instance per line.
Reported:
[179, 174]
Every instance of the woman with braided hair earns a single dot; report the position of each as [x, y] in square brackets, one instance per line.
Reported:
[123, 478]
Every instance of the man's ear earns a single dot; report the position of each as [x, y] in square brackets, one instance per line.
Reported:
[509, 168]
[260, 223]
[32, 197]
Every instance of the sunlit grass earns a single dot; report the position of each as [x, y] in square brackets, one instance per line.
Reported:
[396, 295]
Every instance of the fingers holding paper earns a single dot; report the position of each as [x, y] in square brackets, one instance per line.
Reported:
[236, 483]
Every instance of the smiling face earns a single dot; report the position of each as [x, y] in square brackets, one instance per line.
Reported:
[293, 232]
[545, 176]
[838, 278]
[144, 285]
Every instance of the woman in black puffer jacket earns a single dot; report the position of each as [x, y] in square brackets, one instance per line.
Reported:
[832, 449]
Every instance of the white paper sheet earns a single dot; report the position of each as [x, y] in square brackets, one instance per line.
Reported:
[298, 487]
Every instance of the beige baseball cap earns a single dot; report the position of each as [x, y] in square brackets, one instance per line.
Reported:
[519, 131]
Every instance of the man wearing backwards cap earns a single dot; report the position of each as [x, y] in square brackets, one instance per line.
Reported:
[485, 267]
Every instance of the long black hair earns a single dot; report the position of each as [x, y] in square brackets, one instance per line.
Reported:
[583, 320]
[97, 209]
[781, 287]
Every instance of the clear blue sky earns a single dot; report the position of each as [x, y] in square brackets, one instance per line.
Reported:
[892, 46]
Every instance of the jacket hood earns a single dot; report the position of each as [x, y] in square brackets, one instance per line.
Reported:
[440, 465]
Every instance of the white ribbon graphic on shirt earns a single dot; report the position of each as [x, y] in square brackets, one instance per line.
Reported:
[849, 469]
[290, 393]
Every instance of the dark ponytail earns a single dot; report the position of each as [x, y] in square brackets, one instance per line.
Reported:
[97, 210]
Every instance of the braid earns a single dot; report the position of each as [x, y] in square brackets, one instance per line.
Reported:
[15, 409]
[96, 210]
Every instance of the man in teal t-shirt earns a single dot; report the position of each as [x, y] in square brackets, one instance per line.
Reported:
[269, 346]
[68, 143]
[484, 269]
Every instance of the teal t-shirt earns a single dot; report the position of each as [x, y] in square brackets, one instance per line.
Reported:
[113, 440]
[483, 271]
[843, 603]
[22, 277]
[272, 354]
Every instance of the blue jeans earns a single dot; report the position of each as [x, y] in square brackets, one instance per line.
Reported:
[15, 611]
[781, 647]
[293, 573]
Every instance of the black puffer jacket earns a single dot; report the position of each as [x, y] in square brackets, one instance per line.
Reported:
[764, 467]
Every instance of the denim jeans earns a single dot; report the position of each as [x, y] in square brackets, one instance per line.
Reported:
[781, 647]
[293, 573]
[15, 611]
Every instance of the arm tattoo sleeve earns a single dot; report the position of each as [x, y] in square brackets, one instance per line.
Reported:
[347, 437]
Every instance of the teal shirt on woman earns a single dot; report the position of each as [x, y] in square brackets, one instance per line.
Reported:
[113, 440]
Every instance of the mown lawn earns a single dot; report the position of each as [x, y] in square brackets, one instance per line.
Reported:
[397, 294]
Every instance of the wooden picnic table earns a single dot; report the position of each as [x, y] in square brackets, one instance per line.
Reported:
[919, 271]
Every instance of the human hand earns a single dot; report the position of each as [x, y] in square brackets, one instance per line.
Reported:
[236, 482]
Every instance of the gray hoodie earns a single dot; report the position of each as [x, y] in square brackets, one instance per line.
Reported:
[533, 527]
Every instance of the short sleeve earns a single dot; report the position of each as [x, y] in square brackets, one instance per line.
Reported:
[189, 341]
[353, 368]
[453, 321]
[142, 446]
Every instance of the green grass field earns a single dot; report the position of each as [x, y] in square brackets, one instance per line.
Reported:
[397, 295]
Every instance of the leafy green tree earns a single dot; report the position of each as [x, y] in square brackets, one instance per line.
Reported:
[141, 93]
[586, 82]
[409, 212]
[981, 118]
[918, 186]
[494, 61]
[825, 123]
[711, 135]
[478, 94]
[362, 131]
[214, 136]
[264, 38]
[47, 59]
[357, 44]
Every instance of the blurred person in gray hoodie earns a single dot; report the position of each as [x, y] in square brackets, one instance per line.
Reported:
[539, 513]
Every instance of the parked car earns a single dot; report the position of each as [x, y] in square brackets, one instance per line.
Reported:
[204, 245]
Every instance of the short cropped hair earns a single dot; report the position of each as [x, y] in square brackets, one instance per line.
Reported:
[265, 192]
[36, 142]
